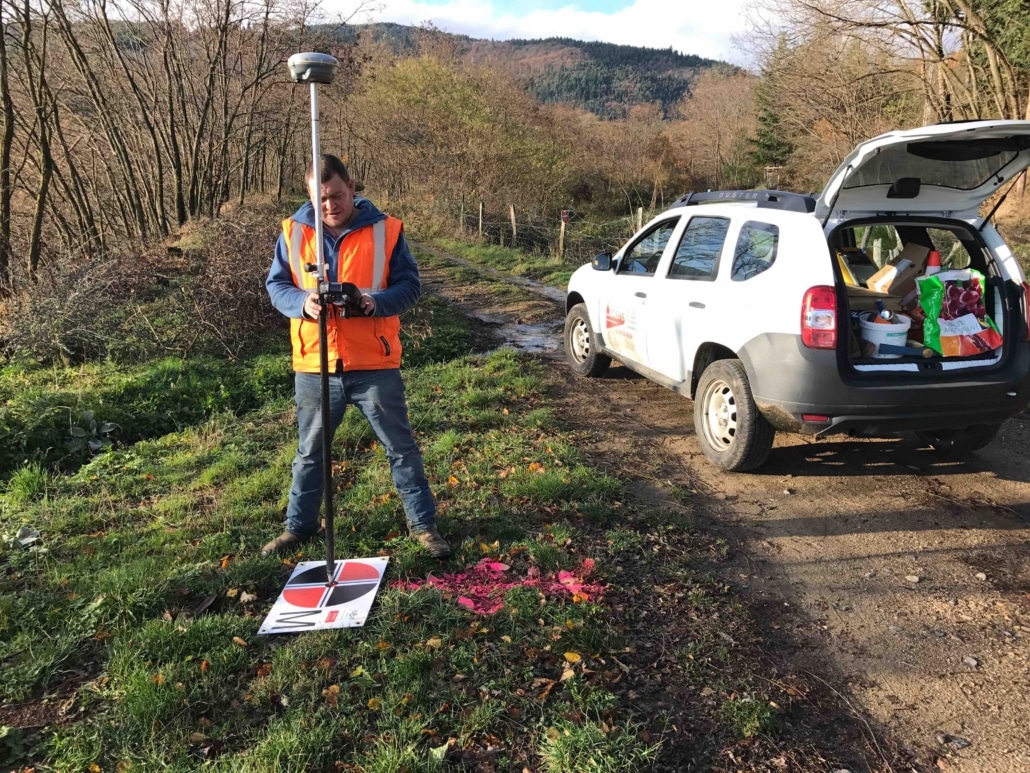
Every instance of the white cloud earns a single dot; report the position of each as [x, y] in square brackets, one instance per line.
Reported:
[690, 28]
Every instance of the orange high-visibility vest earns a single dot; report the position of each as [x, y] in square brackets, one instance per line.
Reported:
[358, 343]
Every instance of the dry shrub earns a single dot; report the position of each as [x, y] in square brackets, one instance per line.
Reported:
[209, 300]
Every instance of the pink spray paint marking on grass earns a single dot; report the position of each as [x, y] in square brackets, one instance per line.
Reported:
[480, 588]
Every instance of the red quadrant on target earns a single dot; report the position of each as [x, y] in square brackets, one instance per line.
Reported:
[308, 598]
[355, 570]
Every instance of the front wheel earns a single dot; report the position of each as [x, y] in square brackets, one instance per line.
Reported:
[960, 441]
[732, 432]
[582, 351]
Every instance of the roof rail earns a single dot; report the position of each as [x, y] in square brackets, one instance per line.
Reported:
[792, 202]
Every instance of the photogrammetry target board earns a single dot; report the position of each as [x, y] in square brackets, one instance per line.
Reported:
[307, 603]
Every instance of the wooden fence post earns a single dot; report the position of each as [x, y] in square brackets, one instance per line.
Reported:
[561, 240]
[640, 218]
[480, 221]
[461, 223]
[514, 229]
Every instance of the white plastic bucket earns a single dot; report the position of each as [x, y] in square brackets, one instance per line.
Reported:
[894, 333]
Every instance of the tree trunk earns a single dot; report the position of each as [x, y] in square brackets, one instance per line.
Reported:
[6, 143]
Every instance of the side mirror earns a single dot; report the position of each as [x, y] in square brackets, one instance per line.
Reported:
[602, 262]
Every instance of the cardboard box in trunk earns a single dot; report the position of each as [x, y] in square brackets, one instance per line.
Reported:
[898, 277]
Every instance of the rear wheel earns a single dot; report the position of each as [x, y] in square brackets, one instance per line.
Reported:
[960, 441]
[582, 351]
[732, 432]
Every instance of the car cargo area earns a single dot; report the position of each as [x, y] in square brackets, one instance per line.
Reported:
[920, 295]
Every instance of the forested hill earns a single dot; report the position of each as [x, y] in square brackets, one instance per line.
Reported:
[605, 78]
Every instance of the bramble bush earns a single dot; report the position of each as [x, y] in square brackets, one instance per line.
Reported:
[209, 300]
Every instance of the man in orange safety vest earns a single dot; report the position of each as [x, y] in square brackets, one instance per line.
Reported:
[366, 248]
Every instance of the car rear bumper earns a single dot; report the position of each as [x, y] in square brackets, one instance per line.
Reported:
[792, 384]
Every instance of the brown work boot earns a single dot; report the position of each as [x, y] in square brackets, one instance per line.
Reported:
[431, 540]
[286, 542]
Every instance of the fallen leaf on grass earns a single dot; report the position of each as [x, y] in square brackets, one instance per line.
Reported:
[332, 694]
[213, 749]
[247, 598]
[159, 679]
[375, 704]
[436, 642]
[232, 592]
[204, 666]
[440, 752]
[202, 607]
[264, 669]
[547, 684]
[573, 657]
[239, 641]
[197, 738]
[567, 674]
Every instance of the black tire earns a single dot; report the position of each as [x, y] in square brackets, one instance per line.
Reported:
[732, 433]
[582, 351]
[960, 441]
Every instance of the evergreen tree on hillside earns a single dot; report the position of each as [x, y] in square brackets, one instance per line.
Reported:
[771, 145]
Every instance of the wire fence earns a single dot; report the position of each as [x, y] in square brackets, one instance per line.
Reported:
[576, 241]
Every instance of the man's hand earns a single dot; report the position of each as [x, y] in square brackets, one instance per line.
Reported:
[367, 305]
[312, 308]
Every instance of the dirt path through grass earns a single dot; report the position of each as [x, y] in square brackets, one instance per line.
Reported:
[897, 581]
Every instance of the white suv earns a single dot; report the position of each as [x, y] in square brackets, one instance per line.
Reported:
[748, 301]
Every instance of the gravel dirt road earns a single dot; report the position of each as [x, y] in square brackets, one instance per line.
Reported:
[898, 576]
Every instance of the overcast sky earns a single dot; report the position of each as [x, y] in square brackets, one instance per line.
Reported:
[701, 27]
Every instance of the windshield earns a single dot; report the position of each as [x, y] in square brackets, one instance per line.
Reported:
[955, 164]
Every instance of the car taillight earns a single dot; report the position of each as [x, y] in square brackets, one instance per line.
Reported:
[1026, 307]
[819, 318]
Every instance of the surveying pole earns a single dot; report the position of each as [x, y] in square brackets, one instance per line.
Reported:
[314, 68]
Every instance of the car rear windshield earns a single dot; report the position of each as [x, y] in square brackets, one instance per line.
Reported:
[947, 164]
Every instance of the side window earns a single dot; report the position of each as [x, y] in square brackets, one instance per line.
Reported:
[756, 250]
[697, 256]
[643, 257]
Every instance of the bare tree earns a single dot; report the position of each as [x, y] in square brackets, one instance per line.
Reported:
[718, 121]
[6, 147]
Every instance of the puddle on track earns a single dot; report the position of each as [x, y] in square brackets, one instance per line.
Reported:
[539, 338]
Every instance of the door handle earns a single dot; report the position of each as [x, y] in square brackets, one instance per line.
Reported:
[696, 305]
[640, 295]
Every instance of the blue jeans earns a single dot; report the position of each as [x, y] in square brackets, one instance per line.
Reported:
[379, 395]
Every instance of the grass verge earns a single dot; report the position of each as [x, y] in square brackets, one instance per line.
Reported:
[129, 629]
[547, 269]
